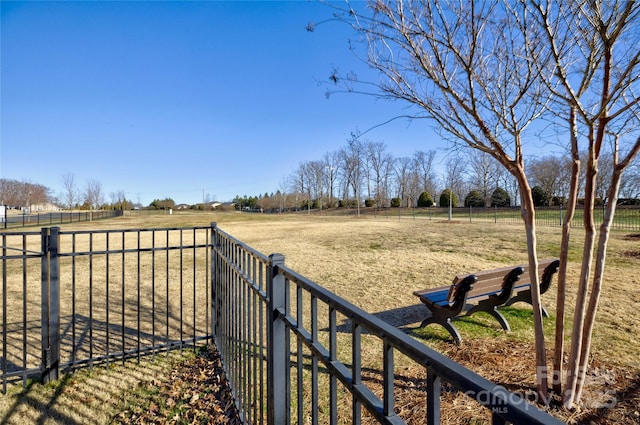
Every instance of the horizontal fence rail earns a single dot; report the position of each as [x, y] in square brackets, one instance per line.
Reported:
[297, 353]
[73, 298]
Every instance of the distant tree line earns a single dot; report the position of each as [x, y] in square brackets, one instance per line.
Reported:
[365, 173]
[23, 194]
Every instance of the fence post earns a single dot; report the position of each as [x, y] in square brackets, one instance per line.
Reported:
[50, 310]
[560, 208]
[215, 311]
[278, 351]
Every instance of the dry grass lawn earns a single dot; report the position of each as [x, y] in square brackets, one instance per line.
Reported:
[376, 263]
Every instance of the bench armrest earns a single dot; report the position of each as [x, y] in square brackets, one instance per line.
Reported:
[460, 287]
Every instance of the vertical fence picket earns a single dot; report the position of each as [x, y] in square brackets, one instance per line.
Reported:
[4, 313]
[106, 300]
[181, 271]
[333, 380]
[122, 304]
[314, 361]
[433, 398]
[25, 297]
[299, 357]
[356, 372]
[167, 292]
[387, 379]
[138, 277]
[73, 300]
[91, 300]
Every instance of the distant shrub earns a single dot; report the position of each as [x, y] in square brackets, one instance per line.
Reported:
[540, 198]
[348, 203]
[425, 200]
[369, 203]
[500, 198]
[474, 199]
[444, 198]
[396, 202]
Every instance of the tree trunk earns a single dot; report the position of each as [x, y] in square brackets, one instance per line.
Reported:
[605, 230]
[573, 371]
[529, 217]
[558, 358]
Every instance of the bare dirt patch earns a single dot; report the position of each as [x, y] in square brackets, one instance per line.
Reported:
[631, 254]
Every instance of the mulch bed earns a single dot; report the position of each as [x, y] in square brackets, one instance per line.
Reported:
[611, 394]
[197, 390]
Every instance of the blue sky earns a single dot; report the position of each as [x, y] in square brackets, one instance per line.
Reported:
[177, 99]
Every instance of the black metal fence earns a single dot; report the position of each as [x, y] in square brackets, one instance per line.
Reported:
[292, 351]
[626, 217]
[57, 217]
[297, 353]
[73, 298]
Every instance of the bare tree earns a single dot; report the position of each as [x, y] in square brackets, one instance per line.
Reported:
[596, 58]
[549, 173]
[300, 184]
[424, 168]
[352, 162]
[316, 177]
[482, 171]
[23, 193]
[454, 179]
[331, 164]
[403, 172]
[70, 194]
[630, 186]
[93, 196]
[381, 162]
[510, 184]
[484, 71]
[469, 67]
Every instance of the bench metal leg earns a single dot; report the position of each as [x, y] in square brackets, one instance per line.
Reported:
[495, 313]
[500, 318]
[525, 299]
[453, 331]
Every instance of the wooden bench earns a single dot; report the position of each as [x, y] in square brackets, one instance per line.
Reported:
[484, 291]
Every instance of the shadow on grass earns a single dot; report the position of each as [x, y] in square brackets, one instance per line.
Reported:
[401, 318]
[82, 397]
[479, 325]
[85, 394]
